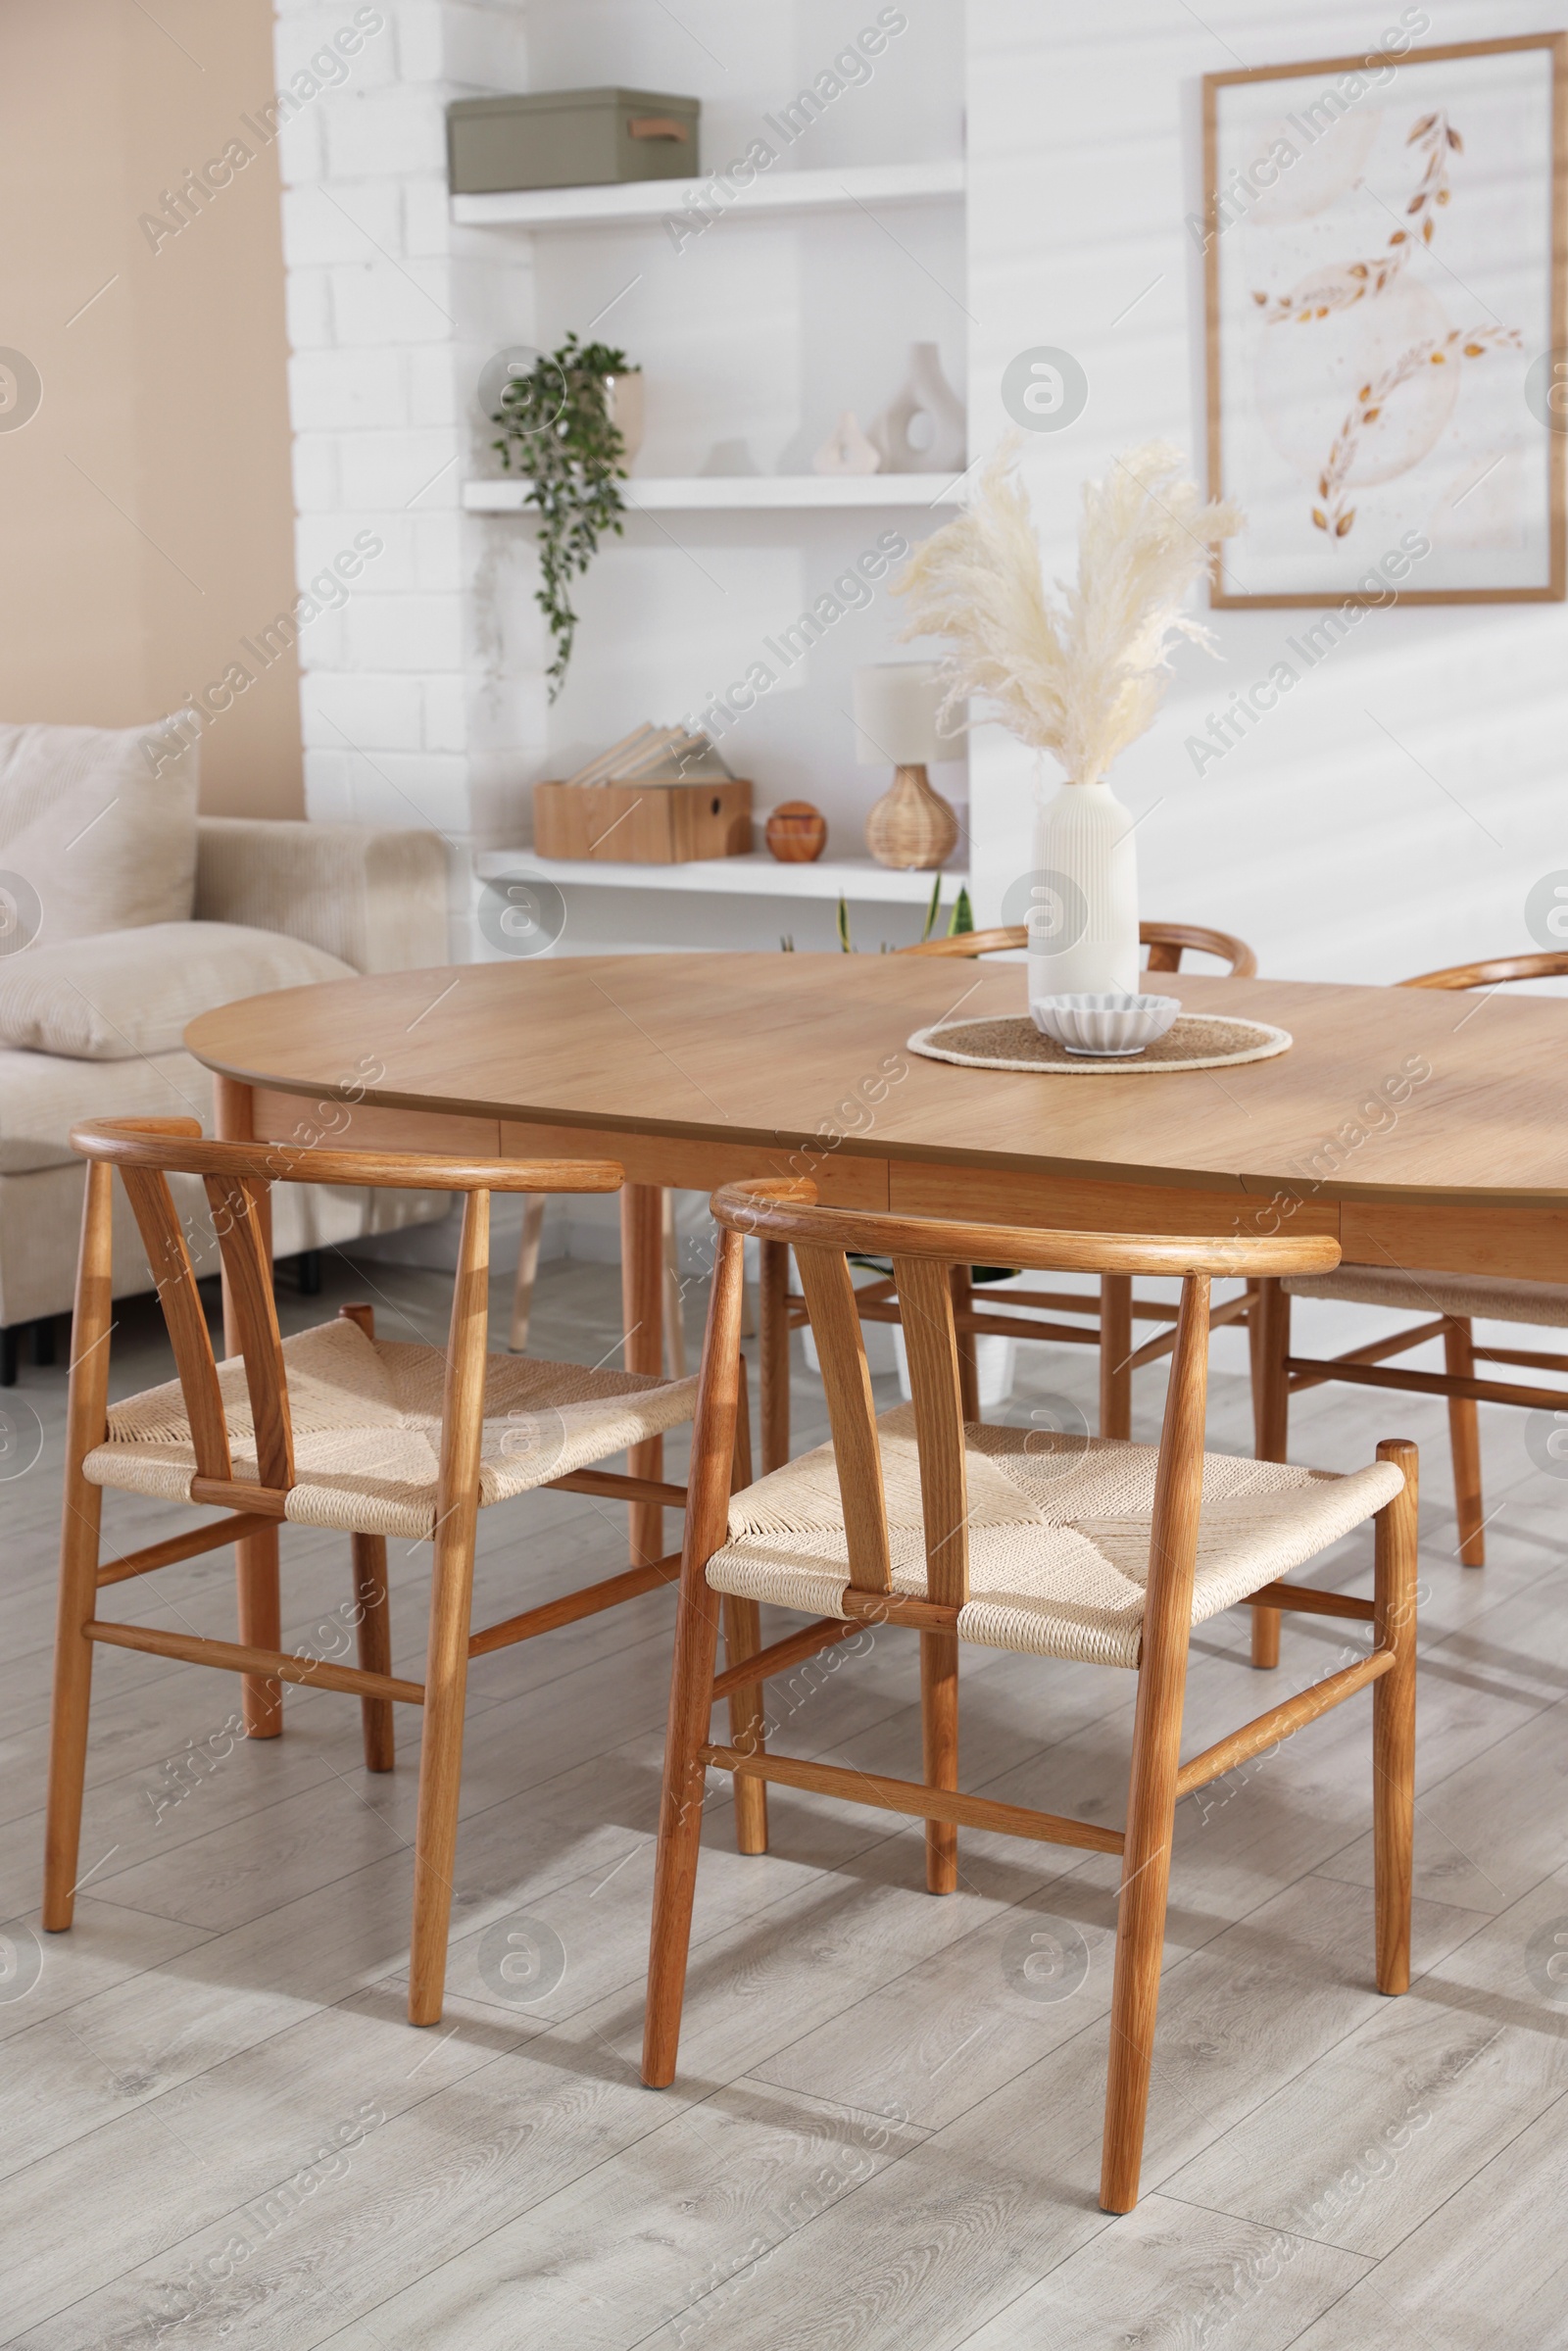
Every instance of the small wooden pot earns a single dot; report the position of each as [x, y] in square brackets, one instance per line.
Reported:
[911, 828]
[796, 833]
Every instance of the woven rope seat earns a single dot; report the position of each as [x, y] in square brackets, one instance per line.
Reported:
[1478, 1296]
[1059, 1534]
[366, 1420]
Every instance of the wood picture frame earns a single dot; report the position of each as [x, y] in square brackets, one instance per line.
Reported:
[1380, 319]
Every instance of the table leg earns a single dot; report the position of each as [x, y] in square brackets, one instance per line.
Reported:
[1464, 1443]
[773, 1350]
[261, 1613]
[642, 1301]
[1115, 1345]
[533, 1225]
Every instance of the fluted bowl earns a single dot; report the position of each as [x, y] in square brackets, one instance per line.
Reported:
[1105, 1027]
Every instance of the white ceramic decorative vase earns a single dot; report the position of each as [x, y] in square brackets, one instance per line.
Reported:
[1083, 918]
[924, 392]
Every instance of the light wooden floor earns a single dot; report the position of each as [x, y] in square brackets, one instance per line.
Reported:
[215, 2128]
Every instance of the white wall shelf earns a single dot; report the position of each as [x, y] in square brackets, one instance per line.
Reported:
[650, 199]
[742, 493]
[860, 880]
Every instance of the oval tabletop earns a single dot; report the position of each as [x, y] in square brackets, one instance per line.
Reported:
[1387, 1094]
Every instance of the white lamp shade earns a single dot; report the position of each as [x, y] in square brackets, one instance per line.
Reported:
[896, 705]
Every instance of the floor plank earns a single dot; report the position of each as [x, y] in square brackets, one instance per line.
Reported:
[1218, 2272]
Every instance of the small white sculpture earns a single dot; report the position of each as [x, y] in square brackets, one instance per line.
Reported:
[845, 448]
[924, 392]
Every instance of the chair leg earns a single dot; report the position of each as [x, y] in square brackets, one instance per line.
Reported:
[1393, 1720]
[1464, 1443]
[1269, 1343]
[680, 1830]
[939, 1741]
[1115, 1345]
[10, 1354]
[1140, 1932]
[533, 1218]
[78, 1554]
[374, 1609]
[743, 1638]
[260, 1626]
[67, 1720]
[376, 1646]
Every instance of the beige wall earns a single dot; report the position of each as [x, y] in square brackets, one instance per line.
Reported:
[148, 514]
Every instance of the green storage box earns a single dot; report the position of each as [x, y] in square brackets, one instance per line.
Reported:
[570, 139]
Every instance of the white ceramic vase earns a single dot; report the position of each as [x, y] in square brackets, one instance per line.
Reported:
[924, 392]
[1083, 917]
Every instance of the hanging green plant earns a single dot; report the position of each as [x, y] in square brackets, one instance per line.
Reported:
[556, 426]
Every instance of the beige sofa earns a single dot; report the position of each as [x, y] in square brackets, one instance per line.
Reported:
[374, 899]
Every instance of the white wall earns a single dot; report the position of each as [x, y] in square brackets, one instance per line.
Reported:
[1337, 852]
[1317, 838]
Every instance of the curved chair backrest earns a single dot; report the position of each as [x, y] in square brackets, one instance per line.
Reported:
[178, 1146]
[238, 1177]
[1495, 974]
[1165, 942]
[923, 1252]
[784, 1208]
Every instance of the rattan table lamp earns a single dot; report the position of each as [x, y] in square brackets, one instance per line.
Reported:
[896, 705]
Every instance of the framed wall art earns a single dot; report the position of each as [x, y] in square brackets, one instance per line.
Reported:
[1385, 334]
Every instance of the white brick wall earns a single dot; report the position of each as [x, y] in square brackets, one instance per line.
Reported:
[366, 707]
[389, 322]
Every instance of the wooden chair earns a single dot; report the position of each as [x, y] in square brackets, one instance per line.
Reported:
[1118, 1309]
[995, 1535]
[1448, 1302]
[332, 1427]
[1166, 943]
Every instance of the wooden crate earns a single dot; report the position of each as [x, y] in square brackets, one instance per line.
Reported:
[643, 824]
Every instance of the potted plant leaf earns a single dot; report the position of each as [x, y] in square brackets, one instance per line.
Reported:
[569, 423]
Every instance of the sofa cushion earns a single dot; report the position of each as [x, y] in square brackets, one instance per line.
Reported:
[132, 992]
[42, 1096]
[97, 830]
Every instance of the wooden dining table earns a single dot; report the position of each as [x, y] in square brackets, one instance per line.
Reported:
[1420, 1129]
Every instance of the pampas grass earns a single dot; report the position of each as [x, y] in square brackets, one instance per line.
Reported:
[1082, 674]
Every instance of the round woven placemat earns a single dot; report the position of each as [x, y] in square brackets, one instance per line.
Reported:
[1194, 1041]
